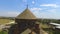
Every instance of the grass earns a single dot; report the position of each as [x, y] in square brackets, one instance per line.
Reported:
[48, 29]
[3, 32]
[3, 21]
[44, 25]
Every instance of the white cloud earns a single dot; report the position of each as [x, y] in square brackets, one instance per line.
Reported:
[50, 14]
[36, 9]
[33, 2]
[52, 10]
[50, 5]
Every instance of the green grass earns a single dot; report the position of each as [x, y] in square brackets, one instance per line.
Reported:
[3, 21]
[3, 32]
[44, 25]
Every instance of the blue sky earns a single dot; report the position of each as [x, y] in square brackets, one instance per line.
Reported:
[40, 8]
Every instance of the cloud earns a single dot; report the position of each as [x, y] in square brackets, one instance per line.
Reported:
[36, 9]
[52, 11]
[50, 14]
[33, 2]
[9, 14]
[50, 5]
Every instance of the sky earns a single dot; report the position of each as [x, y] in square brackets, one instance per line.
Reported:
[40, 8]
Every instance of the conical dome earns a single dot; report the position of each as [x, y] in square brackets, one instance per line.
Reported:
[26, 14]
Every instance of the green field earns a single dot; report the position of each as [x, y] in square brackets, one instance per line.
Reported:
[3, 21]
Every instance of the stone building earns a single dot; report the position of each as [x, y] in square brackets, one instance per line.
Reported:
[26, 24]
